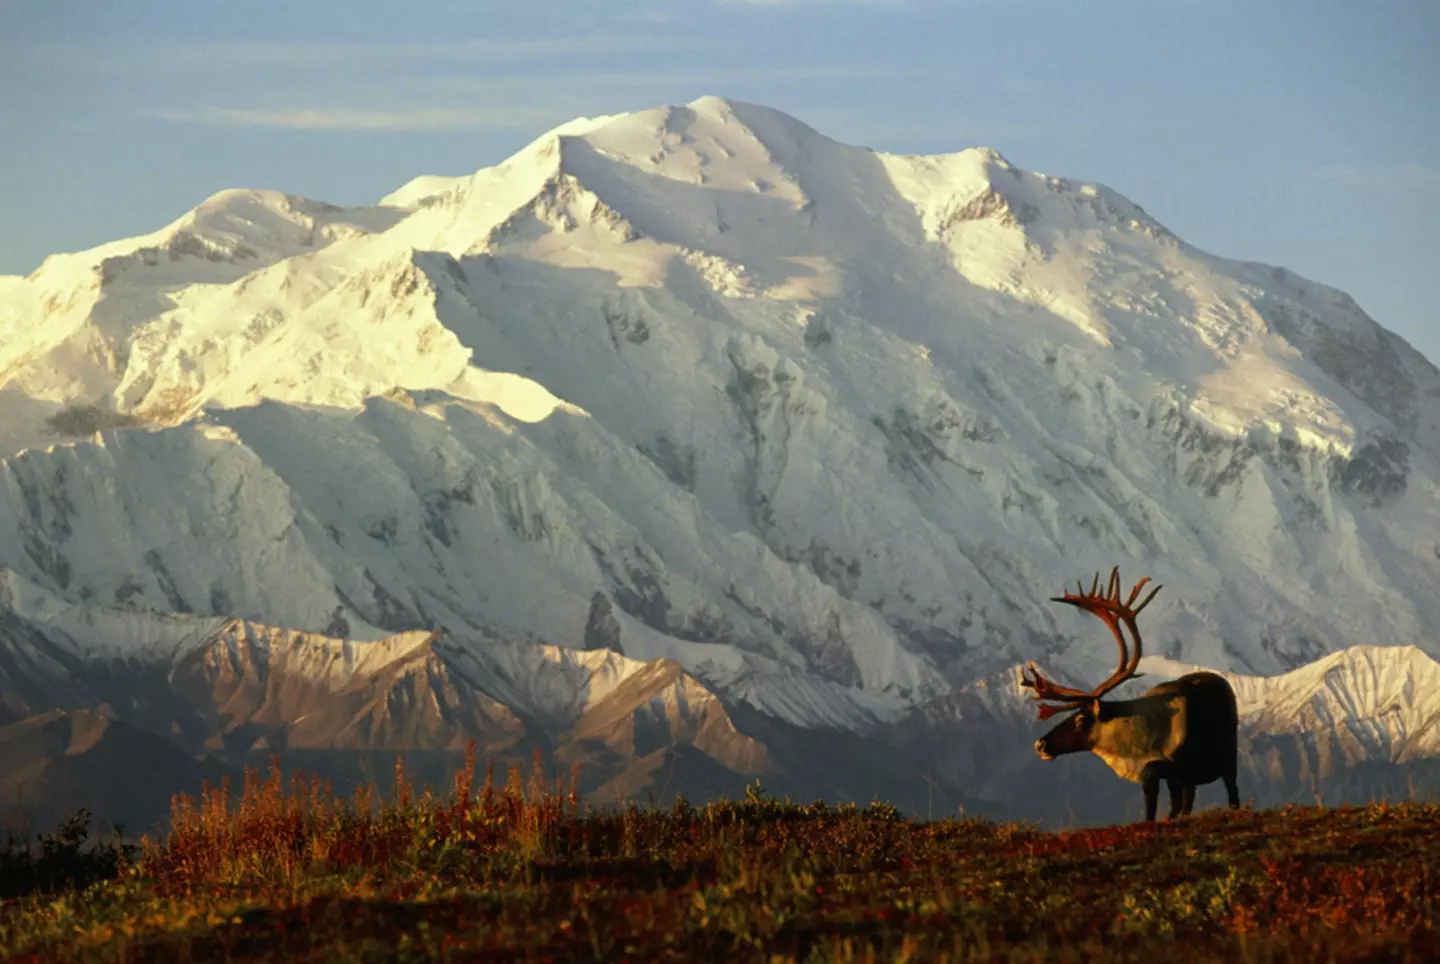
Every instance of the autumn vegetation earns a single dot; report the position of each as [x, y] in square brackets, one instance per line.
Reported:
[522, 870]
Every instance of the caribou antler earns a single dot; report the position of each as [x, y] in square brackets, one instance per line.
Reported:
[1111, 611]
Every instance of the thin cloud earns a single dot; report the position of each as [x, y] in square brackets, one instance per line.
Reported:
[242, 55]
[333, 53]
[698, 77]
[357, 119]
[552, 98]
[892, 5]
[1379, 175]
[816, 3]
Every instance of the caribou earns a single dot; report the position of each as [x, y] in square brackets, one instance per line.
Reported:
[1183, 732]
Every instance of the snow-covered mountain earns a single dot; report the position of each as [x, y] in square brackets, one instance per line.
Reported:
[822, 426]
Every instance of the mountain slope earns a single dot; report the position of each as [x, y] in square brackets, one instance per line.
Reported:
[200, 698]
[821, 425]
[55, 763]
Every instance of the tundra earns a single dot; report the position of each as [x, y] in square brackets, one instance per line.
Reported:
[1183, 732]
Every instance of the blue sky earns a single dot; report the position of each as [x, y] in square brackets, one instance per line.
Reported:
[1301, 134]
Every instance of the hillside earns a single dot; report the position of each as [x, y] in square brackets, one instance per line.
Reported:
[523, 871]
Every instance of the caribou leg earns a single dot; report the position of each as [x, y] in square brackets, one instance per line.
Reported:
[1232, 791]
[1177, 797]
[1150, 778]
[1188, 802]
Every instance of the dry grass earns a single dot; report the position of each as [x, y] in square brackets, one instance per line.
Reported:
[524, 872]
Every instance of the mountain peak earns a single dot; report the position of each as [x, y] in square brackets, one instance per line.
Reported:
[712, 104]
